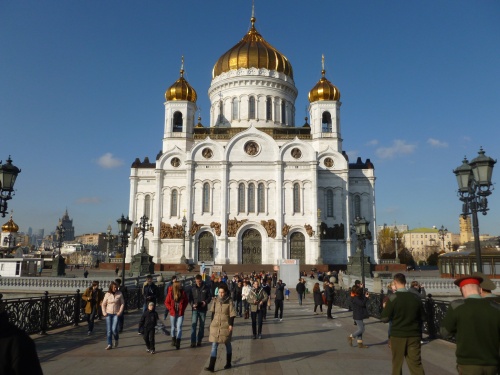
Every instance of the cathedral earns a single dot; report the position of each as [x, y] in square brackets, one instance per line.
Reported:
[252, 186]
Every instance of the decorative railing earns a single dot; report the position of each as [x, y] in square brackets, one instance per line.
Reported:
[435, 310]
[42, 314]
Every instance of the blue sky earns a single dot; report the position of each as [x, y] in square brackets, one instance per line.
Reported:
[82, 90]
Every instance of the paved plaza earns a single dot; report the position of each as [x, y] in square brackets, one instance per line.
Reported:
[303, 343]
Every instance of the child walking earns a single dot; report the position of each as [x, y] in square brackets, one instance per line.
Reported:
[148, 323]
[287, 292]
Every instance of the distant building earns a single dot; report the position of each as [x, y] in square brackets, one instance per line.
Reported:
[465, 229]
[67, 224]
[422, 242]
[8, 239]
[96, 241]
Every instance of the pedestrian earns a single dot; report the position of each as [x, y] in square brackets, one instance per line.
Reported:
[256, 299]
[17, 350]
[123, 289]
[148, 322]
[149, 291]
[93, 297]
[419, 291]
[301, 290]
[486, 287]
[85, 273]
[112, 307]
[238, 298]
[406, 313]
[391, 288]
[244, 297]
[279, 298]
[359, 313]
[287, 293]
[176, 304]
[329, 296]
[199, 298]
[267, 303]
[116, 270]
[475, 323]
[221, 327]
[165, 292]
[318, 298]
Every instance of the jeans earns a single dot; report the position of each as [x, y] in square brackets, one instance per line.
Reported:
[91, 317]
[256, 318]
[112, 328]
[215, 345]
[198, 315]
[278, 308]
[361, 328]
[238, 305]
[329, 309]
[176, 326]
[149, 338]
[300, 298]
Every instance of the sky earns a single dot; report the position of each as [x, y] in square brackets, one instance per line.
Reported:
[82, 88]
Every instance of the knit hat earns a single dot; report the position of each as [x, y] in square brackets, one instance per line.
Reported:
[486, 284]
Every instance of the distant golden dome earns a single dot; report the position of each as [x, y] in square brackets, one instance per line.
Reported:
[324, 90]
[10, 227]
[181, 89]
[253, 52]
[199, 124]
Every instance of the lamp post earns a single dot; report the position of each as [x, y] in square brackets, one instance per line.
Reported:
[109, 241]
[474, 185]
[8, 175]
[362, 234]
[143, 226]
[396, 232]
[60, 237]
[184, 223]
[442, 234]
[59, 263]
[124, 226]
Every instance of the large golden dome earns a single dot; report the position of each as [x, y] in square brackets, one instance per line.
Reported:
[324, 89]
[253, 52]
[10, 227]
[181, 89]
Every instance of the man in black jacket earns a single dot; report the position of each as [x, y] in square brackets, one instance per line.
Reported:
[329, 294]
[278, 300]
[301, 290]
[199, 298]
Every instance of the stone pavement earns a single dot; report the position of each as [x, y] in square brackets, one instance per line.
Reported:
[303, 343]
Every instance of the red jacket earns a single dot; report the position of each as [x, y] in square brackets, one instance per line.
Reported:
[170, 303]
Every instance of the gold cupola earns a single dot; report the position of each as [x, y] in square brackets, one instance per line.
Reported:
[10, 226]
[181, 89]
[324, 89]
[253, 52]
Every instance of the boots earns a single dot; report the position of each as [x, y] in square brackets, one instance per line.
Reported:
[361, 345]
[228, 360]
[173, 341]
[178, 344]
[211, 366]
[349, 340]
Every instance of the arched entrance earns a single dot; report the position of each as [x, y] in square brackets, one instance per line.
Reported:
[298, 247]
[251, 247]
[205, 247]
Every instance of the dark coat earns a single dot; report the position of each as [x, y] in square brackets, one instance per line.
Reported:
[329, 293]
[149, 319]
[150, 291]
[300, 288]
[318, 297]
[359, 310]
[200, 294]
[280, 291]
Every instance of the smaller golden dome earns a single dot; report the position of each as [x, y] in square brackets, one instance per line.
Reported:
[324, 89]
[181, 89]
[10, 227]
[199, 125]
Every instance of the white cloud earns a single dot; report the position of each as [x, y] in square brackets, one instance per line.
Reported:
[437, 143]
[399, 147]
[88, 200]
[108, 161]
[373, 142]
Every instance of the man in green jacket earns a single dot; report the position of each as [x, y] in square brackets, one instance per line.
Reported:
[406, 312]
[475, 323]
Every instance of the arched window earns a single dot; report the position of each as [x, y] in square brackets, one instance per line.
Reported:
[296, 198]
[221, 111]
[251, 198]
[283, 112]
[329, 203]
[173, 203]
[326, 122]
[235, 109]
[206, 197]
[357, 206]
[251, 108]
[177, 122]
[261, 202]
[269, 109]
[241, 198]
[147, 206]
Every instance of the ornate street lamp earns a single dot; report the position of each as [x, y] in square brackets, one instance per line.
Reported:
[143, 226]
[59, 263]
[124, 226]
[474, 185]
[109, 240]
[8, 175]
[396, 232]
[362, 234]
[184, 223]
[442, 234]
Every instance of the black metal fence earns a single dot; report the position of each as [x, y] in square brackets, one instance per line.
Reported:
[42, 314]
[434, 309]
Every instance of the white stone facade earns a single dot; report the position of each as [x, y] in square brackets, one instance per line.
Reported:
[253, 187]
